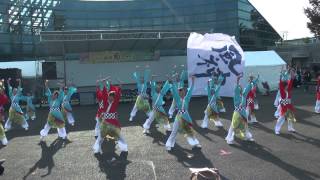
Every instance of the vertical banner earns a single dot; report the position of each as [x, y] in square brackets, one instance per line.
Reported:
[214, 54]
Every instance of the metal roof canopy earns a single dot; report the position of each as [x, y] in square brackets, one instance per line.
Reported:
[59, 43]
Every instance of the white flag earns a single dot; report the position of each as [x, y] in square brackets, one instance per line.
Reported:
[214, 54]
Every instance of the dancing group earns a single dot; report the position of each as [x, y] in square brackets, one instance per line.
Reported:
[108, 97]
[245, 104]
[56, 117]
[16, 115]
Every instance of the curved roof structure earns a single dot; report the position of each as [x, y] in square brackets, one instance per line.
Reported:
[28, 28]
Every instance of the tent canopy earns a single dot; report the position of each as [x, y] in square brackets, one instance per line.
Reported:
[262, 58]
[267, 64]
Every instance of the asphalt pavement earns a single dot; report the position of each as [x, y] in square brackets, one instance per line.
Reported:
[286, 156]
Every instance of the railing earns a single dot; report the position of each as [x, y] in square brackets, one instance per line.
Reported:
[47, 37]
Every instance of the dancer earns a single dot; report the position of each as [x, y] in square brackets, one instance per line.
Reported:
[30, 109]
[180, 80]
[255, 99]
[239, 124]
[15, 112]
[217, 83]
[158, 113]
[110, 127]
[142, 102]
[66, 106]
[55, 118]
[100, 91]
[183, 121]
[278, 97]
[251, 104]
[286, 107]
[3, 101]
[317, 107]
[212, 110]
[277, 105]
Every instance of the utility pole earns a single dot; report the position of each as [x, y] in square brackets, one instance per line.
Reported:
[285, 35]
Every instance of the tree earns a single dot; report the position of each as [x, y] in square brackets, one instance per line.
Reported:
[313, 13]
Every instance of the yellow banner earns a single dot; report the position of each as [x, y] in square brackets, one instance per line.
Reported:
[118, 56]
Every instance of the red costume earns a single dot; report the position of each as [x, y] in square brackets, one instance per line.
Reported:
[101, 99]
[3, 101]
[109, 126]
[109, 113]
[250, 98]
[318, 90]
[285, 101]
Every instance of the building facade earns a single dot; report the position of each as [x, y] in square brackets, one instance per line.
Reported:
[21, 21]
[303, 53]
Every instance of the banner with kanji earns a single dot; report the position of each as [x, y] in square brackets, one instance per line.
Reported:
[214, 54]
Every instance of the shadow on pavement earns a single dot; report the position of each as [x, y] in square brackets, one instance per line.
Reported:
[158, 136]
[113, 165]
[46, 160]
[305, 139]
[192, 158]
[261, 152]
[220, 132]
[302, 115]
[291, 136]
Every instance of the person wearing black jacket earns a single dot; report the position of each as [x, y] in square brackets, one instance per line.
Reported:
[306, 79]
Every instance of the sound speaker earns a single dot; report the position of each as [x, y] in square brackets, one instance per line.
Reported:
[49, 70]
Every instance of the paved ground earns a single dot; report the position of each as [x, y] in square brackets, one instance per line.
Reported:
[288, 156]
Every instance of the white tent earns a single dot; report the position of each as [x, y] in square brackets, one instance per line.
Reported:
[267, 64]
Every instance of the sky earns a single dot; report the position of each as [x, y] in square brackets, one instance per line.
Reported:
[285, 15]
[28, 67]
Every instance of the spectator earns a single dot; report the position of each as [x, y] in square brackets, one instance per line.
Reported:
[306, 79]
[298, 79]
[266, 87]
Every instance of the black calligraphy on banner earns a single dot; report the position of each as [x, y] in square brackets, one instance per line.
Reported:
[229, 56]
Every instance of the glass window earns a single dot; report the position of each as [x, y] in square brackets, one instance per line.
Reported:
[245, 6]
[136, 22]
[168, 20]
[114, 23]
[157, 21]
[124, 23]
[227, 16]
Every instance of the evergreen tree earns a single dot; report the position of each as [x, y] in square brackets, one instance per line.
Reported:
[313, 13]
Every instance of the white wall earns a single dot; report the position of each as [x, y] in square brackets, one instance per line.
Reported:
[86, 74]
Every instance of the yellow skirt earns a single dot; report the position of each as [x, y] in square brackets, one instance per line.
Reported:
[55, 123]
[290, 116]
[184, 126]
[239, 124]
[213, 116]
[109, 131]
[2, 133]
[161, 118]
[30, 112]
[143, 104]
[16, 117]
[220, 104]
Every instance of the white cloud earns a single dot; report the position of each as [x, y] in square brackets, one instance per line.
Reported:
[285, 15]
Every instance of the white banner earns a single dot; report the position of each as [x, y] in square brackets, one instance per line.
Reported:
[214, 54]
